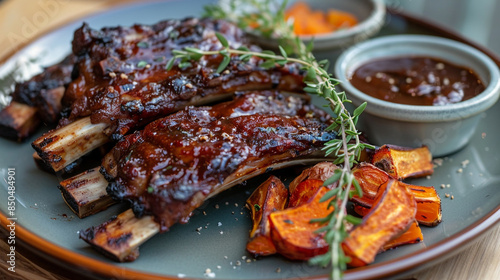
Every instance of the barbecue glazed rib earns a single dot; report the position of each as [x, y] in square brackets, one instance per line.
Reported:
[37, 99]
[122, 83]
[122, 78]
[169, 168]
[86, 193]
[175, 163]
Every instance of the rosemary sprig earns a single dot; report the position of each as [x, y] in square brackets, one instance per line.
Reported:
[266, 18]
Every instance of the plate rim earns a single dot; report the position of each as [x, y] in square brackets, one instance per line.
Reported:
[443, 249]
[379, 270]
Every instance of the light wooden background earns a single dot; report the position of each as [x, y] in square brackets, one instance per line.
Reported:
[23, 20]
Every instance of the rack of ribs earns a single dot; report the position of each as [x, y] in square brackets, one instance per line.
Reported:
[121, 83]
[174, 164]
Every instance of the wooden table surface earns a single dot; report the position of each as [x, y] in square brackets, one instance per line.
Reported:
[23, 20]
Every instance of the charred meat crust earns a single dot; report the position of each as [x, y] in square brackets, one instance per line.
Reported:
[72, 204]
[172, 165]
[45, 90]
[36, 100]
[18, 121]
[88, 234]
[122, 79]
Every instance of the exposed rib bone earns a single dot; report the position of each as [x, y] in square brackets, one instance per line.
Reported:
[18, 121]
[61, 147]
[85, 193]
[79, 205]
[120, 237]
[42, 165]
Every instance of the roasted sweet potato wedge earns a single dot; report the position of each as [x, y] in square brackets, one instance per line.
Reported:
[394, 212]
[304, 192]
[361, 210]
[428, 204]
[270, 196]
[320, 171]
[292, 232]
[412, 235]
[370, 178]
[261, 245]
[401, 163]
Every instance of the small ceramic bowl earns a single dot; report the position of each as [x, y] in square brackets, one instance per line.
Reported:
[369, 13]
[444, 129]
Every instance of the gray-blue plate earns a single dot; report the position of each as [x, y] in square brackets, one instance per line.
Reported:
[47, 225]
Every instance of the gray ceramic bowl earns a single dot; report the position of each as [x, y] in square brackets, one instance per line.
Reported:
[370, 15]
[444, 129]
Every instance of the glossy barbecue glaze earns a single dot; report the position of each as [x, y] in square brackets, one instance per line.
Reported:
[122, 78]
[170, 167]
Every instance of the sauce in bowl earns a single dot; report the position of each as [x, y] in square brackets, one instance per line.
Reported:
[416, 81]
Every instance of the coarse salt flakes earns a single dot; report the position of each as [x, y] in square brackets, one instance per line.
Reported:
[438, 161]
[209, 273]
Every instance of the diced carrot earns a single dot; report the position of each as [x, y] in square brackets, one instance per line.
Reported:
[339, 20]
[299, 8]
[312, 22]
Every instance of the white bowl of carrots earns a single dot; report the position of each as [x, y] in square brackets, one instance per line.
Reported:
[336, 23]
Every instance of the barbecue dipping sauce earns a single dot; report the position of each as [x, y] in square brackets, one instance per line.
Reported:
[416, 81]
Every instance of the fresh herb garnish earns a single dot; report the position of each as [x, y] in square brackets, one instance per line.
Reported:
[256, 207]
[142, 64]
[266, 18]
[143, 45]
